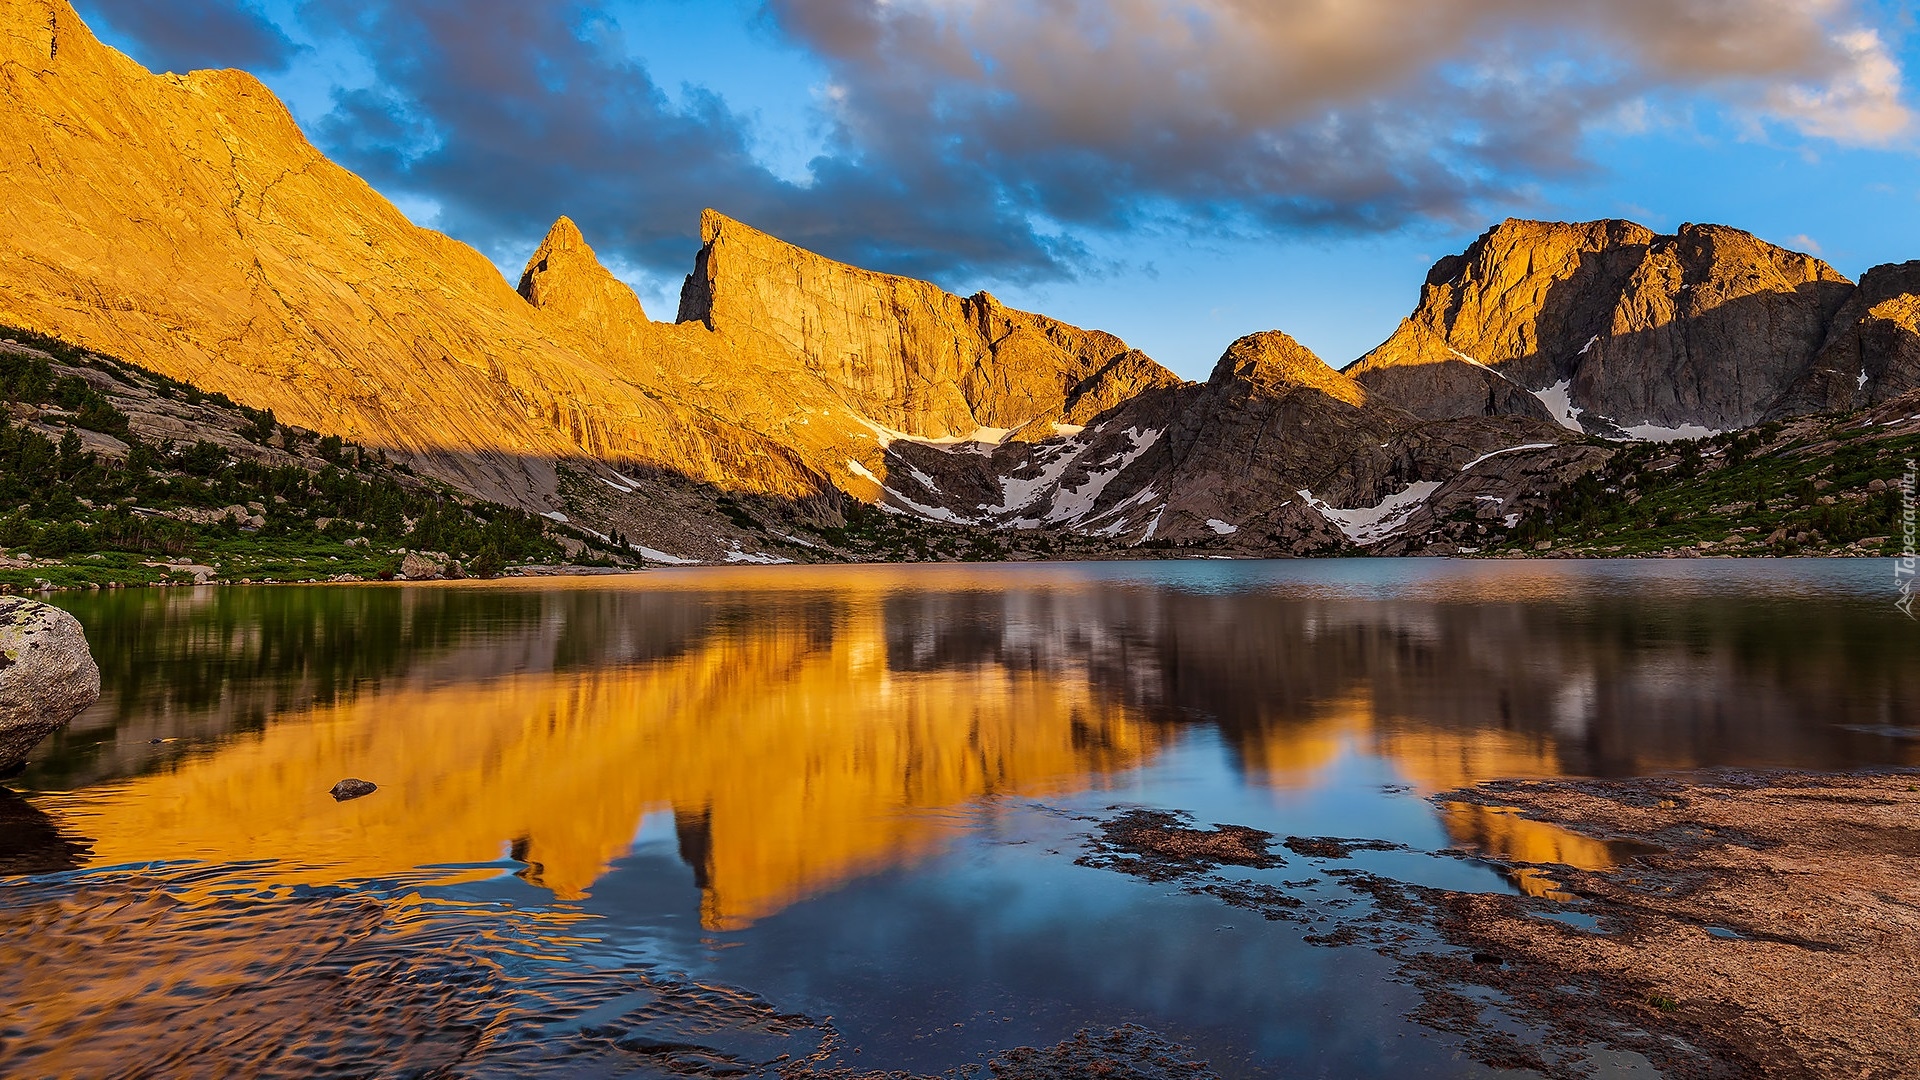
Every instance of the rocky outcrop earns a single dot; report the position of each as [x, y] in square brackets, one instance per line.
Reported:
[566, 281]
[1608, 327]
[1872, 353]
[351, 788]
[417, 567]
[904, 352]
[47, 676]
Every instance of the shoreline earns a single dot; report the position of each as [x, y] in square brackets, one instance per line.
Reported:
[569, 571]
[1728, 922]
[1772, 913]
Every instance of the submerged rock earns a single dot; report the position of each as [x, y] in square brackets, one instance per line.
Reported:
[1161, 845]
[47, 676]
[1128, 1052]
[349, 789]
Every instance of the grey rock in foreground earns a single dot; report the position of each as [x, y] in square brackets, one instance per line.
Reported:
[350, 789]
[47, 675]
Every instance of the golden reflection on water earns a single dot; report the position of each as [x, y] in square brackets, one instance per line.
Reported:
[790, 766]
[805, 726]
[1297, 753]
[791, 762]
[1502, 832]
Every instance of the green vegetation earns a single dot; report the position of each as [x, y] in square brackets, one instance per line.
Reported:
[1814, 487]
[872, 533]
[85, 517]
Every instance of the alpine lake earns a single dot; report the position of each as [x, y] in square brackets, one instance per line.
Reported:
[847, 821]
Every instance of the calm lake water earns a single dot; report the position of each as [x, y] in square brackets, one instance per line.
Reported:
[690, 821]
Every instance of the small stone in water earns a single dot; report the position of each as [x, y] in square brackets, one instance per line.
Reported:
[352, 789]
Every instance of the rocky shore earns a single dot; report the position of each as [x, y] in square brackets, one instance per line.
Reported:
[1747, 924]
[1771, 917]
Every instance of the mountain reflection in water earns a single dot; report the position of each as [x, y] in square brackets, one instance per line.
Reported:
[754, 822]
[806, 727]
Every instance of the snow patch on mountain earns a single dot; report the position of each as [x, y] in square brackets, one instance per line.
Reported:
[1372, 524]
[1558, 399]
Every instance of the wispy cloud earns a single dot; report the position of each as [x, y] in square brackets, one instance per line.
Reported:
[1860, 104]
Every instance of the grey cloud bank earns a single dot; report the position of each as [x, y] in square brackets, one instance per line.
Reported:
[971, 139]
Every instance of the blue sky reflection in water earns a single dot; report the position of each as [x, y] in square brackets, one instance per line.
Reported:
[699, 812]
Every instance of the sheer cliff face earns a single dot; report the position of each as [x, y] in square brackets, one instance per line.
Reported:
[901, 351]
[1872, 354]
[184, 223]
[1606, 326]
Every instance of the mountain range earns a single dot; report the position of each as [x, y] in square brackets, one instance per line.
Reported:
[185, 224]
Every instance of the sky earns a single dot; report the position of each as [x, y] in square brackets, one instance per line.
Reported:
[1177, 172]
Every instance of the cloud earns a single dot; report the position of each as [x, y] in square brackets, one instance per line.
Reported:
[1862, 105]
[508, 114]
[186, 35]
[974, 139]
[1303, 114]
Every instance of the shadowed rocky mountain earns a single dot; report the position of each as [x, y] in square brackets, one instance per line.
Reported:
[184, 224]
[1872, 352]
[1263, 456]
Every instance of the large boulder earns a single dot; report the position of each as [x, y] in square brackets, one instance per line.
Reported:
[47, 676]
[417, 567]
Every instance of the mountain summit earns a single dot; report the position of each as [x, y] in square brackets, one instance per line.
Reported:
[904, 352]
[1608, 327]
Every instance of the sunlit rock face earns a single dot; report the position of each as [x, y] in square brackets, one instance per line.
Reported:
[567, 283]
[904, 352]
[184, 223]
[1609, 327]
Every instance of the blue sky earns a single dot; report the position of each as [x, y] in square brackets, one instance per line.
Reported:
[1179, 172]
